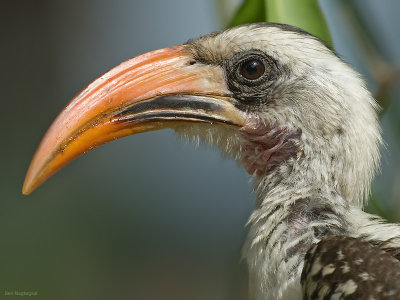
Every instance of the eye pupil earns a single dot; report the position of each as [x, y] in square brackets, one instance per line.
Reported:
[252, 69]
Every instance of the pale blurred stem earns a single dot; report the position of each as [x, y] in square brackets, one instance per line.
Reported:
[384, 74]
[222, 8]
[225, 11]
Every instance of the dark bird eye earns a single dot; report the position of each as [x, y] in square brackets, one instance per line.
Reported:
[252, 69]
[251, 73]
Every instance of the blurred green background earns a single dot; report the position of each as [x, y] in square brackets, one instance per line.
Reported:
[147, 216]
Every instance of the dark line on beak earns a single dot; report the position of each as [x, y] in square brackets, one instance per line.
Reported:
[173, 102]
[172, 116]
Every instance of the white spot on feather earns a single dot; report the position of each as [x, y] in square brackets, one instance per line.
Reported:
[316, 267]
[328, 269]
[340, 255]
[348, 288]
[359, 261]
[365, 276]
[345, 268]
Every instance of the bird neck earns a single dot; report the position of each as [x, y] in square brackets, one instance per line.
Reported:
[292, 213]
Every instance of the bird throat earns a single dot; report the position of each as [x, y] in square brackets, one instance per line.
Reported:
[291, 212]
[267, 145]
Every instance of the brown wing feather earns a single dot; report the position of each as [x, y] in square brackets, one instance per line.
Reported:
[341, 267]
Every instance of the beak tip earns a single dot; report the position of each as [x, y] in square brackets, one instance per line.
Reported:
[26, 188]
[30, 183]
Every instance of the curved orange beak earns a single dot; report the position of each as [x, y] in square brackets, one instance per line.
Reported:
[155, 90]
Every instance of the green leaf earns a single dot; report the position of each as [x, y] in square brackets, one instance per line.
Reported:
[305, 14]
[250, 11]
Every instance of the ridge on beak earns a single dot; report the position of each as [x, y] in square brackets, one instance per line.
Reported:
[155, 90]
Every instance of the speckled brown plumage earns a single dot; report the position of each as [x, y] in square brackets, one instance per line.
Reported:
[341, 267]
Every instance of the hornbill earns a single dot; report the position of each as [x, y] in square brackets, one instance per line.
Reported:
[294, 115]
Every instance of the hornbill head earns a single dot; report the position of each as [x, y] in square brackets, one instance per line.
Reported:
[272, 96]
